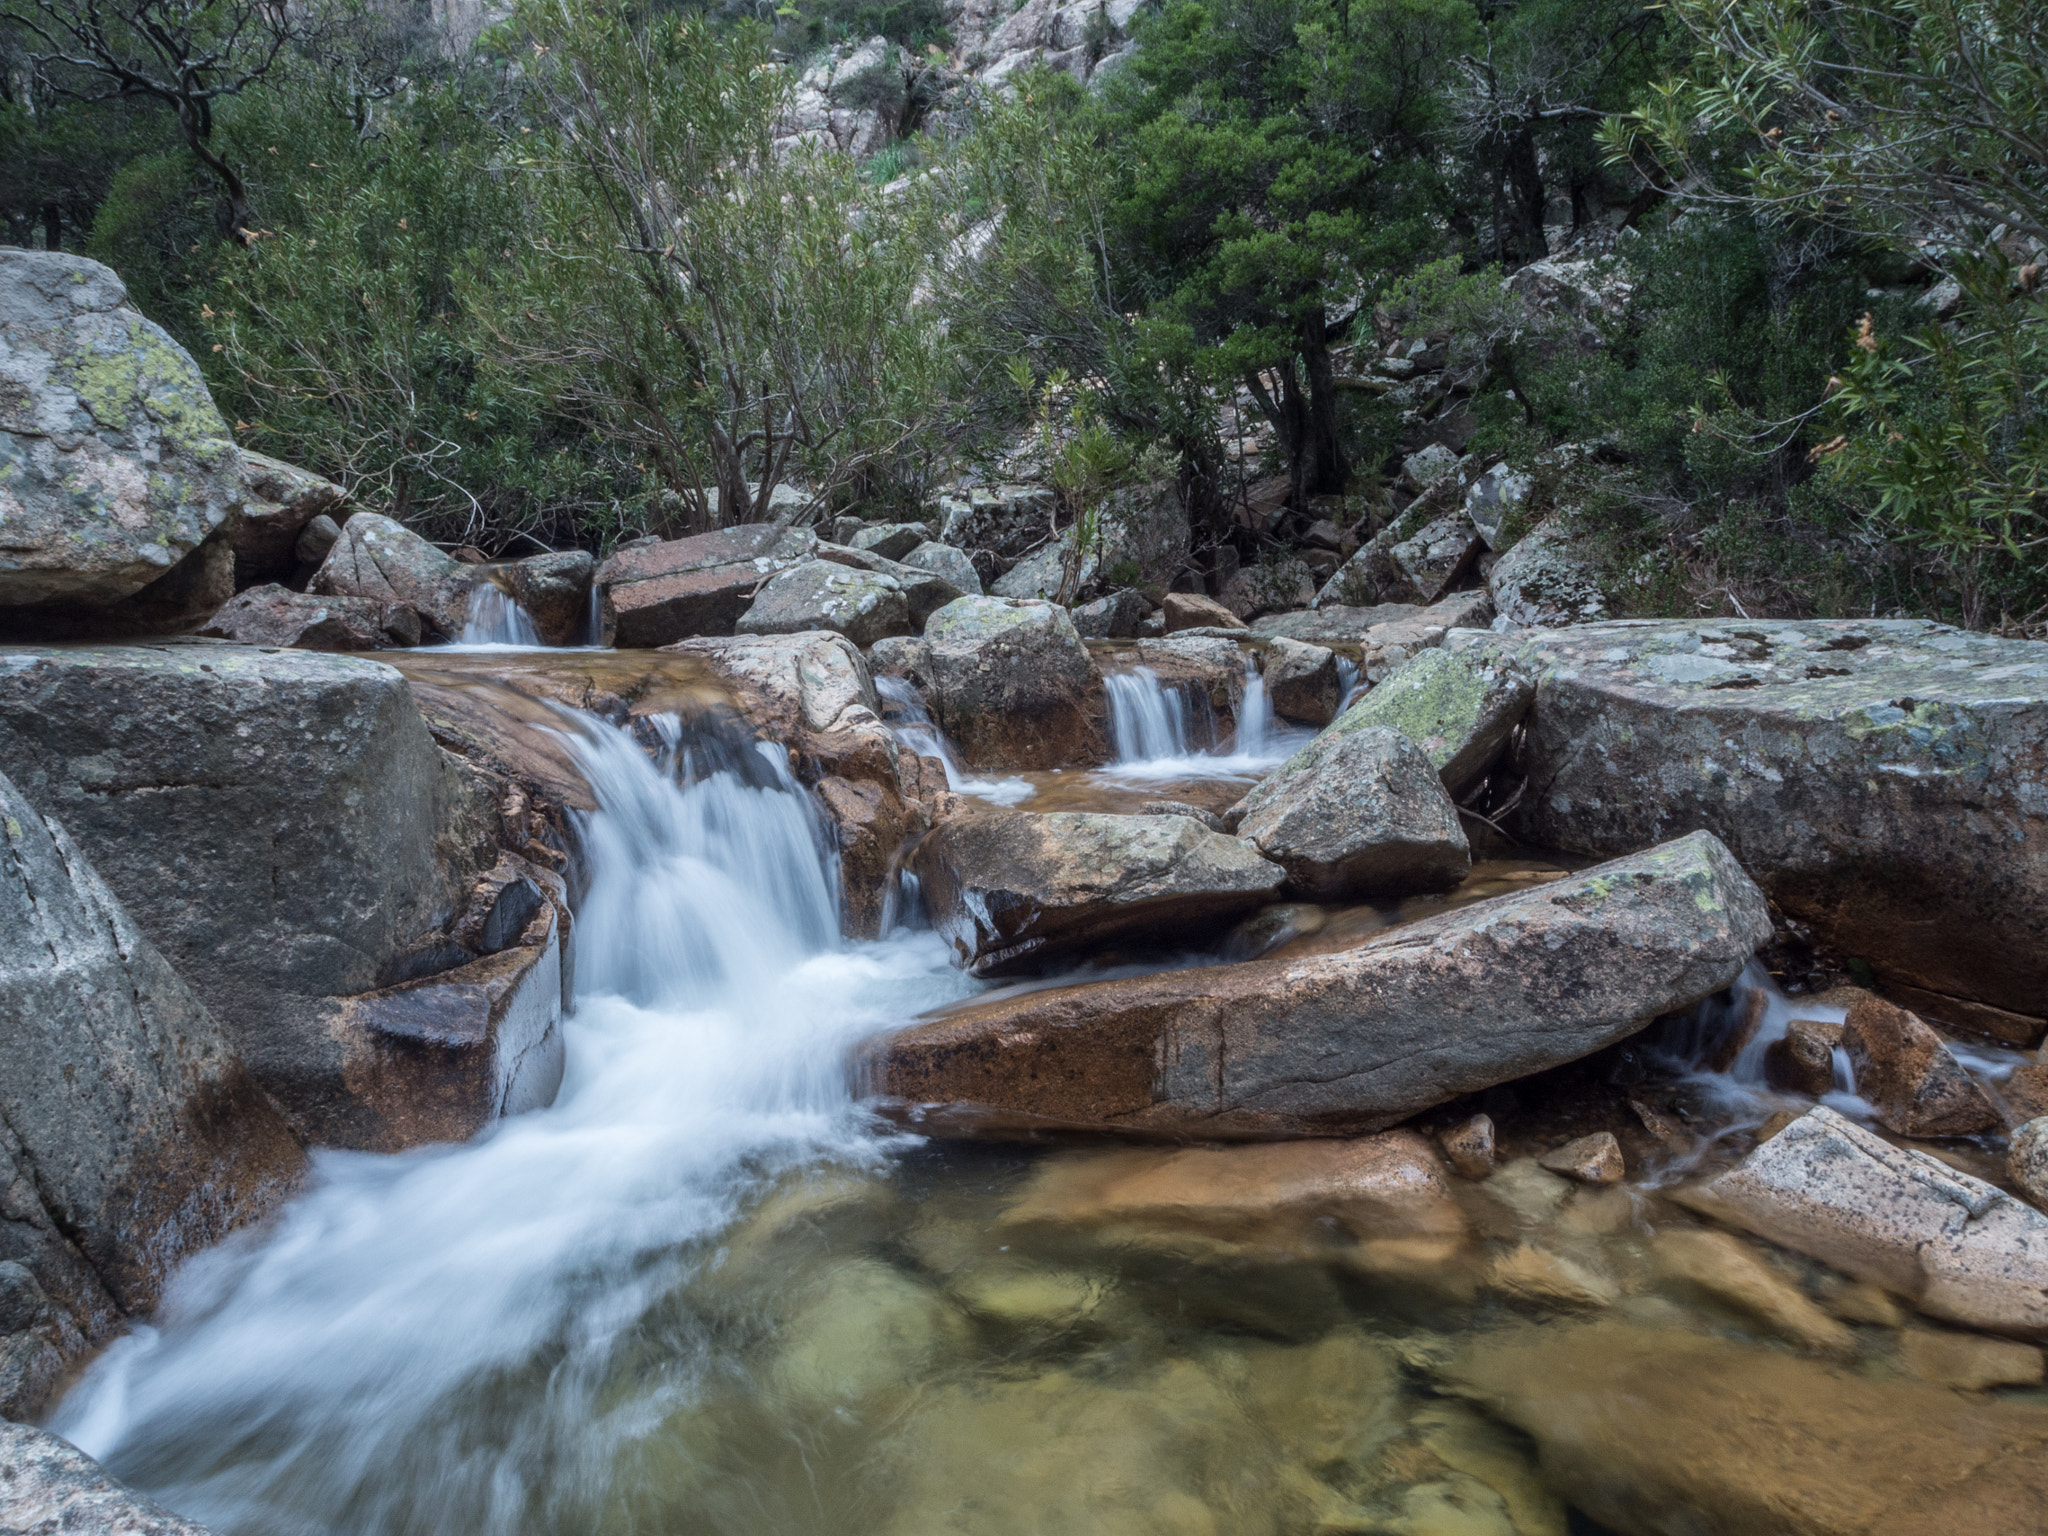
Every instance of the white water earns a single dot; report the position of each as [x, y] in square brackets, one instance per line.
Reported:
[497, 621]
[1165, 733]
[917, 730]
[444, 1340]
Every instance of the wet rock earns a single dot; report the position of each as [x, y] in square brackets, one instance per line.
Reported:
[1594, 1159]
[135, 1137]
[1803, 1059]
[822, 595]
[1661, 1431]
[1958, 1248]
[1358, 813]
[1458, 707]
[1208, 819]
[555, 590]
[117, 474]
[655, 594]
[277, 616]
[1968, 1360]
[1876, 776]
[2026, 1160]
[386, 562]
[1301, 681]
[1012, 890]
[1536, 1275]
[892, 541]
[1437, 557]
[943, 560]
[279, 500]
[2025, 1092]
[1011, 683]
[1727, 1270]
[1190, 610]
[1468, 1147]
[1350, 1041]
[1270, 927]
[48, 1485]
[1907, 1073]
[1114, 617]
[280, 824]
[1546, 582]
[866, 1328]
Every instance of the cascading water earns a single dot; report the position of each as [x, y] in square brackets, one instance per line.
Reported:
[457, 1338]
[1170, 733]
[917, 730]
[497, 620]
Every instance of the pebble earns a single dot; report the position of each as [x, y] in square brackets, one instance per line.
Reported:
[1469, 1147]
[1594, 1159]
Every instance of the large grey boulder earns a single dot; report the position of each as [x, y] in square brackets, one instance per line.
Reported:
[381, 559]
[1302, 680]
[1011, 683]
[1959, 1248]
[1358, 1040]
[135, 1136]
[943, 560]
[1460, 707]
[117, 473]
[1015, 890]
[554, 589]
[1884, 779]
[657, 593]
[48, 1485]
[278, 501]
[277, 616]
[819, 594]
[925, 591]
[892, 541]
[1358, 813]
[284, 829]
[1546, 581]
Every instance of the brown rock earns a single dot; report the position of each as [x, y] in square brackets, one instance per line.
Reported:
[278, 616]
[1661, 1431]
[554, 589]
[1727, 1269]
[1468, 1146]
[1969, 1360]
[2026, 1160]
[1189, 610]
[656, 594]
[1547, 1279]
[1803, 1060]
[1858, 1301]
[1903, 1068]
[1353, 1040]
[1301, 680]
[1594, 1159]
[2026, 1091]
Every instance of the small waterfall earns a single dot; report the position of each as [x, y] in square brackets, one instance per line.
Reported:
[914, 726]
[1347, 682]
[1256, 727]
[467, 1338]
[1161, 732]
[1148, 720]
[496, 619]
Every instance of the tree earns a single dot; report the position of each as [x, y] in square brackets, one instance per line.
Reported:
[1285, 161]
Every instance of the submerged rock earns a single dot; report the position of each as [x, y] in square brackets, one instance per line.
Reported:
[1011, 683]
[1883, 780]
[1014, 890]
[655, 594]
[1350, 1041]
[48, 1484]
[1358, 813]
[386, 562]
[120, 488]
[277, 616]
[1594, 1159]
[1959, 1248]
[1457, 706]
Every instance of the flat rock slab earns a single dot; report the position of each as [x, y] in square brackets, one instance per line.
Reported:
[271, 615]
[862, 605]
[1356, 1041]
[1013, 890]
[655, 594]
[1961, 1249]
[1887, 781]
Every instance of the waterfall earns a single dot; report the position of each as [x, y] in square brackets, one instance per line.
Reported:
[1347, 682]
[465, 1337]
[1170, 733]
[914, 726]
[496, 620]
[1147, 720]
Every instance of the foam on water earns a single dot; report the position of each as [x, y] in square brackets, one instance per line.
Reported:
[1170, 733]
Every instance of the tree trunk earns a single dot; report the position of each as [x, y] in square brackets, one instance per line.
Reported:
[1525, 198]
[1326, 470]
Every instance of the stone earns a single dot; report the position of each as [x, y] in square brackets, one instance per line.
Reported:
[1006, 520]
[48, 1485]
[673, 589]
[280, 824]
[1190, 610]
[279, 500]
[1545, 581]
[136, 1136]
[892, 541]
[1302, 680]
[1429, 464]
[1358, 813]
[1114, 617]
[1656, 1430]
[822, 595]
[1494, 497]
[2026, 1160]
[116, 471]
[1437, 556]
[1958, 1248]
[1459, 707]
[1594, 1159]
[277, 616]
[1727, 1270]
[1969, 1361]
[1536, 1275]
[1468, 1147]
[1015, 890]
[386, 562]
[1802, 1060]
[319, 536]
[1344, 1042]
[2025, 1092]
[1907, 1073]
[943, 560]
[1012, 685]
[1208, 819]
[1273, 585]
[1880, 776]
[924, 591]
[554, 589]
